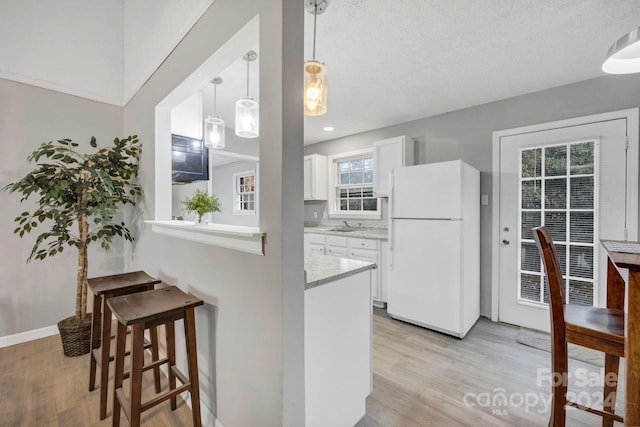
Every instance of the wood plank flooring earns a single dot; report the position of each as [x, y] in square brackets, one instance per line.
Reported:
[420, 379]
[423, 378]
[40, 387]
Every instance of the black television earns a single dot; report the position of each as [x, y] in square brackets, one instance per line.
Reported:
[189, 159]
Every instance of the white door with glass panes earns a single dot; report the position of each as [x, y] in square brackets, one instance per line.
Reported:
[577, 180]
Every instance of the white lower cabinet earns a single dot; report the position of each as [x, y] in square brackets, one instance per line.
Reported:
[337, 246]
[316, 249]
[371, 256]
[370, 250]
[314, 243]
[337, 251]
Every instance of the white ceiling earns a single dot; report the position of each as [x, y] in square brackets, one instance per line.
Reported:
[389, 62]
[394, 61]
[234, 87]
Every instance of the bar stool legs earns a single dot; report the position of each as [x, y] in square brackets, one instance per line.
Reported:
[171, 355]
[95, 339]
[147, 310]
[103, 288]
[192, 360]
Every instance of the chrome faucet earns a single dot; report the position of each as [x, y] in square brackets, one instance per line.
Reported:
[346, 224]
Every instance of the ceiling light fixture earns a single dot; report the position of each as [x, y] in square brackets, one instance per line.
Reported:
[247, 109]
[623, 56]
[328, 128]
[214, 125]
[315, 73]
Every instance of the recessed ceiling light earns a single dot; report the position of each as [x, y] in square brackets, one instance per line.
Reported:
[328, 128]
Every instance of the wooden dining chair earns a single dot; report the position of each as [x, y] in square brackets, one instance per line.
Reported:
[600, 329]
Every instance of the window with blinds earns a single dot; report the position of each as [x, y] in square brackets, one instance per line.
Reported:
[559, 189]
[354, 186]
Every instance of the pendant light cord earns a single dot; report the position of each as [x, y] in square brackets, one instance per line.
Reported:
[248, 77]
[315, 17]
[215, 99]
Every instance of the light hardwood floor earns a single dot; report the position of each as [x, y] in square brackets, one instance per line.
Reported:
[424, 378]
[41, 387]
[420, 379]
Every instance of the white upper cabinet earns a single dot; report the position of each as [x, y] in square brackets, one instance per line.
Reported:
[388, 154]
[315, 177]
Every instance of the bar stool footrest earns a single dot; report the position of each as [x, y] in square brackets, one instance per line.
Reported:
[149, 366]
[97, 356]
[596, 411]
[180, 375]
[126, 405]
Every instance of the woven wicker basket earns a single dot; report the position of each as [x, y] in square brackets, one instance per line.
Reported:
[76, 337]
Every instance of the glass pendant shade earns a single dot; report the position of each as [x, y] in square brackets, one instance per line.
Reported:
[624, 55]
[214, 132]
[247, 118]
[315, 88]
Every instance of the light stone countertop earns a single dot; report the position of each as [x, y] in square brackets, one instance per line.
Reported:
[321, 269]
[371, 233]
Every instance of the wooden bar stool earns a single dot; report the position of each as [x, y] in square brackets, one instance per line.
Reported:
[103, 288]
[144, 310]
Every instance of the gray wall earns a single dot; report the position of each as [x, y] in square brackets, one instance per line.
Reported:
[223, 188]
[467, 134]
[251, 330]
[42, 293]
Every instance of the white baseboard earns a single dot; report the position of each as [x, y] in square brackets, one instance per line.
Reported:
[208, 418]
[22, 337]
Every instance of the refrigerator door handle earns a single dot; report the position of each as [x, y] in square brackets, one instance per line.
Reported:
[391, 220]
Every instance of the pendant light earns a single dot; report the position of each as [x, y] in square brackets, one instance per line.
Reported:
[247, 109]
[315, 73]
[623, 56]
[214, 125]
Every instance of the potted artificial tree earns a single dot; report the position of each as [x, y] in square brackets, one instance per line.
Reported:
[79, 192]
[202, 202]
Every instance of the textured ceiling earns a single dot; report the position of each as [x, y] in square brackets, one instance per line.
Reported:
[419, 58]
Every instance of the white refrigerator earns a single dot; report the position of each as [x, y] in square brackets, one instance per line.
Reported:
[434, 246]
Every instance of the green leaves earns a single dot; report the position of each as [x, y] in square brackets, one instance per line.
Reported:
[69, 185]
[201, 202]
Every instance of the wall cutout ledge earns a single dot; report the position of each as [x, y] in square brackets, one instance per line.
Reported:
[239, 238]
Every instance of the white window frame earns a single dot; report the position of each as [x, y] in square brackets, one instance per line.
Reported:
[236, 193]
[333, 183]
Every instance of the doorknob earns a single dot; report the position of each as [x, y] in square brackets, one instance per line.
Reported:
[505, 242]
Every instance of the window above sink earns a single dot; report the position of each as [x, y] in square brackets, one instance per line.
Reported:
[351, 186]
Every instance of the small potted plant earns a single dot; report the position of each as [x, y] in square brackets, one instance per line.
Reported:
[202, 202]
[77, 198]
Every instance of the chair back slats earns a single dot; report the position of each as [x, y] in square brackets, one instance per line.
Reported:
[554, 282]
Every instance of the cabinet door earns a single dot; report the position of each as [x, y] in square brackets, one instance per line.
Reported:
[314, 243]
[369, 256]
[315, 248]
[337, 251]
[308, 177]
[388, 154]
[315, 177]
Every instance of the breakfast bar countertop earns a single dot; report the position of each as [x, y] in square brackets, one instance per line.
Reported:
[321, 269]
